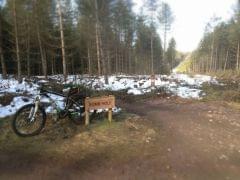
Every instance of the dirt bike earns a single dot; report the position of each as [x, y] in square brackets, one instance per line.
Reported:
[30, 119]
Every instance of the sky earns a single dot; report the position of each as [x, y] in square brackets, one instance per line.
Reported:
[1, 2]
[191, 17]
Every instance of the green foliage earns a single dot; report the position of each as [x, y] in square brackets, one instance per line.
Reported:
[171, 54]
[166, 16]
[143, 47]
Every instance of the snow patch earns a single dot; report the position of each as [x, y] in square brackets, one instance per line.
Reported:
[15, 105]
[181, 85]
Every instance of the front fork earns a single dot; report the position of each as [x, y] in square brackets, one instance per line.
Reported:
[34, 110]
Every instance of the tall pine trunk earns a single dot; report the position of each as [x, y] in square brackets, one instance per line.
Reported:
[62, 40]
[97, 34]
[212, 53]
[103, 61]
[129, 59]
[89, 61]
[4, 70]
[98, 51]
[152, 71]
[52, 65]
[3, 65]
[108, 62]
[73, 66]
[19, 73]
[216, 60]
[42, 53]
[226, 60]
[28, 57]
[237, 60]
[28, 48]
[165, 42]
[116, 61]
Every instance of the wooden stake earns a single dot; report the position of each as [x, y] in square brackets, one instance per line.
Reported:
[110, 115]
[86, 118]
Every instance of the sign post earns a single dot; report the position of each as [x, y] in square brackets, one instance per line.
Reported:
[104, 102]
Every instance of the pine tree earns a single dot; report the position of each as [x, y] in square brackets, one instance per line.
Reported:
[62, 39]
[3, 65]
[96, 37]
[152, 7]
[166, 19]
[171, 53]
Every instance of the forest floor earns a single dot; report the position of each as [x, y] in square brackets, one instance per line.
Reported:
[152, 138]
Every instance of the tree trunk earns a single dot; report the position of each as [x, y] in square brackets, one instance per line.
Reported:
[103, 61]
[237, 60]
[73, 66]
[28, 48]
[52, 65]
[212, 53]
[97, 34]
[43, 59]
[225, 64]
[207, 63]
[98, 51]
[129, 60]
[216, 60]
[152, 72]
[28, 57]
[62, 40]
[4, 70]
[108, 62]
[164, 44]
[165, 40]
[121, 62]
[19, 73]
[89, 61]
[116, 61]
[3, 65]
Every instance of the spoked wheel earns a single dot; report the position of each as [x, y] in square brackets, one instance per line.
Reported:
[24, 124]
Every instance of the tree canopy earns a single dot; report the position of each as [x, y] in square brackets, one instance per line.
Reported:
[220, 46]
[43, 37]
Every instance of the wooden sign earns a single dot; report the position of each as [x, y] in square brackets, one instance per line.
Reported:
[104, 102]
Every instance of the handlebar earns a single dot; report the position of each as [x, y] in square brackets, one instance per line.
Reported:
[71, 91]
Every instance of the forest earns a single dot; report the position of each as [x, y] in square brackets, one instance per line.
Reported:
[219, 48]
[119, 89]
[95, 37]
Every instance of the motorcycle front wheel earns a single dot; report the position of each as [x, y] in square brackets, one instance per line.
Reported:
[25, 125]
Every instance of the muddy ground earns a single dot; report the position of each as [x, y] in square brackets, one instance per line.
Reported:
[155, 138]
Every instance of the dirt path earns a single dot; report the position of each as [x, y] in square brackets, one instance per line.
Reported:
[201, 139]
[169, 139]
